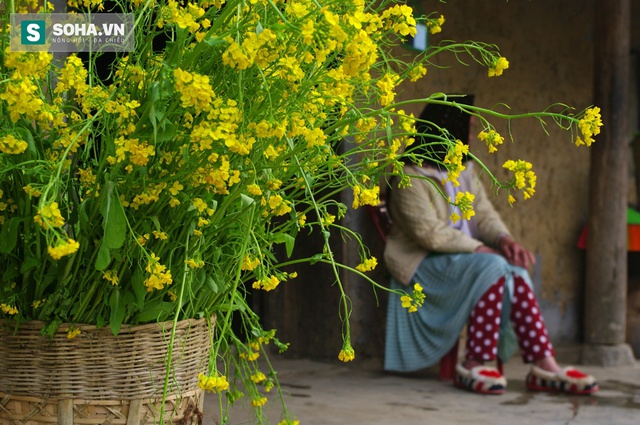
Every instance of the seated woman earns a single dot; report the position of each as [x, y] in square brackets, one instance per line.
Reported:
[471, 271]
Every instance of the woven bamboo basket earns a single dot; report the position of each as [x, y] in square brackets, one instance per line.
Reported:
[98, 378]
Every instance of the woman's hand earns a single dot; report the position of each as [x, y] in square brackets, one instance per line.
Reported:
[515, 253]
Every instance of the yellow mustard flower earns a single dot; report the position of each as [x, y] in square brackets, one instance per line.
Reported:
[111, 276]
[589, 126]
[498, 66]
[435, 24]
[73, 332]
[215, 383]
[367, 265]
[347, 353]
[10, 145]
[492, 139]
[63, 248]
[8, 309]
[413, 301]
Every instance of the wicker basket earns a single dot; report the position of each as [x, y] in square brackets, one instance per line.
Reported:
[98, 378]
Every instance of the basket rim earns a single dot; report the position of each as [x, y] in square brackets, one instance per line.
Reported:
[37, 325]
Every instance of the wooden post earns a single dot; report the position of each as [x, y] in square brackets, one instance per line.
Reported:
[606, 270]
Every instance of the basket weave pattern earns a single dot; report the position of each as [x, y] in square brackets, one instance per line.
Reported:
[100, 377]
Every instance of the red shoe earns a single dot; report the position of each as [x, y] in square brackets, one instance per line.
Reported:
[480, 379]
[569, 380]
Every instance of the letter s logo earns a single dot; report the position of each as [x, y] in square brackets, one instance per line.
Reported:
[34, 34]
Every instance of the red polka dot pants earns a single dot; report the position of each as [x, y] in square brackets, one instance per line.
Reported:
[484, 324]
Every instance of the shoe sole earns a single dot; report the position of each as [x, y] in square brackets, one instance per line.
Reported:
[558, 390]
[460, 385]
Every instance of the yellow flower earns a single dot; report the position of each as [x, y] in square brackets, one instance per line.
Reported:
[387, 85]
[289, 422]
[416, 73]
[523, 176]
[7, 309]
[111, 276]
[435, 25]
[38, 303]
[328, 219]
[65, 247]
[267, 284]
[160, 235]
[29, 190]
[195, 90]
[258, 402]
[249, 263]
[347, 353]
[258, 377]
[73, 332]
[365, 196]
[589, 126]
[159, 276]
[498, 66]
[194, 264]
[492, 139]
[413, 301]
[254, 189]
[453, 161]
[12, 146]
[200, 205]
[213, 383]
[464, 201]
[176, 188]
[367, 265]
[278, 205]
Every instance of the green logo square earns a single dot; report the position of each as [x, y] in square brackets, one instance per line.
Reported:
[32, 32]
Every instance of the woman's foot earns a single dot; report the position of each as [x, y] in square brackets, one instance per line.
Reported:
[549, 364]
[474, 376]
[547, 375]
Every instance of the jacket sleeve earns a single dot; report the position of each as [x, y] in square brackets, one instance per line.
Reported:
[489, 223]
[423, 214]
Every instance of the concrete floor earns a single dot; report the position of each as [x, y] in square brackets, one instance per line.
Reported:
[328, 394]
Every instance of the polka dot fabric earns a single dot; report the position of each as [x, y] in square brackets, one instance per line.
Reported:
[484, 323]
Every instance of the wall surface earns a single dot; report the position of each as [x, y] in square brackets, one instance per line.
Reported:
[549, 48]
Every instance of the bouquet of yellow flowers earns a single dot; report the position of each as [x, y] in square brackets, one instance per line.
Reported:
[157, 187]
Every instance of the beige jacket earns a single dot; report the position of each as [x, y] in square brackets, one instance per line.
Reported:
[421, 222]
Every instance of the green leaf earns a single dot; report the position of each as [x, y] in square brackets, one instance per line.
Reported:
[139, 290]
[100, 322]
[288, 240]
[198, 280]
[11, 272]
[245, 200]
[103, 260]
[316, 258]
[114, 221]
[155, 310]
[211, 284]
[211, 41]
[116, 303]
[28, 264]
[9, 235]
[51, 328]
[28, 137]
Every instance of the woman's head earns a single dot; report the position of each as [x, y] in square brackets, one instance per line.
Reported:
[433, 120]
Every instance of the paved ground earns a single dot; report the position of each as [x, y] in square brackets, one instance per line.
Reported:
[328, 394]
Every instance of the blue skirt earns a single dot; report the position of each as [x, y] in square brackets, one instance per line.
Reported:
[453, 284]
